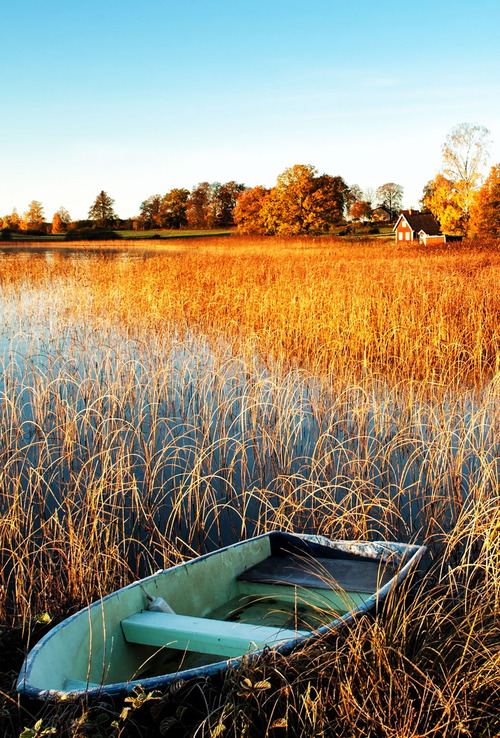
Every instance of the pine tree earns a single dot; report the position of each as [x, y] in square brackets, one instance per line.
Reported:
[102, 210]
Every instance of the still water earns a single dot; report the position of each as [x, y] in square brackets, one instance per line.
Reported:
[196, 440]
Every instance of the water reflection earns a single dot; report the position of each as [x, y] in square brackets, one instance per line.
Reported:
[191, 440]
[23, 252]
[67, 253]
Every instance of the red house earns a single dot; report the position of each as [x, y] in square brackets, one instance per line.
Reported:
[414, 226]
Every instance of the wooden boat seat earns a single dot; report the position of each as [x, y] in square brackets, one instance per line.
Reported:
[346, 575]
[202, 635]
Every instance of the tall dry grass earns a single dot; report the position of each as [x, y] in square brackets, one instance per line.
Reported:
[323, 305]
[157, 405]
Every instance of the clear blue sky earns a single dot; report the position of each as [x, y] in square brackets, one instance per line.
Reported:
[138, 98]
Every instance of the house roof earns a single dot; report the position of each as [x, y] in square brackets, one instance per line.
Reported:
[425, 222]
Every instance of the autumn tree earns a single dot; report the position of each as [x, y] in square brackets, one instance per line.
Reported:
[425, 202]
[61, 221]
[150, 213]
[358, 204]
[225, 197]
[285, 210]
[303, 202]
[173, 208]
[213, 206]
[12, 221]
[198, 206]
[326, 203]
[390, 195]
[465, 153]
[57, 224]
[210, 205]
[450, 194]
[485, 207]
[248, 212]
[360, 210]
[443, 200]
[101, 212]
[33, 218]
[354, 194]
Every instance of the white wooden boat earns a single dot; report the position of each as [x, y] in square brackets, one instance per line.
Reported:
[198, 618]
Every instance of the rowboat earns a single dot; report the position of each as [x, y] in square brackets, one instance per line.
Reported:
[201, 617]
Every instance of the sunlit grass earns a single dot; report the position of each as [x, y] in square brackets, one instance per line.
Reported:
[159, 405]
[323, 305]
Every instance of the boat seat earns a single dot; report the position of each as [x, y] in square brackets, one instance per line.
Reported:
[185, 632]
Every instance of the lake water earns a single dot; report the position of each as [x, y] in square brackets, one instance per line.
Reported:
[216, 444]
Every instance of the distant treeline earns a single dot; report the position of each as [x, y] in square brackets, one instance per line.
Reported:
[302, 201]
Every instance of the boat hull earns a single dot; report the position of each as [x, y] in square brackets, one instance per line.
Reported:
[277, 590]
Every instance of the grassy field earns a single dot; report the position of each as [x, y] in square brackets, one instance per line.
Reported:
[156, 404]
[177, 233]
[21, 237]
[385, 231]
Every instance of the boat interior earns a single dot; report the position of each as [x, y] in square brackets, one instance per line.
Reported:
[281, 598]
[263, 592]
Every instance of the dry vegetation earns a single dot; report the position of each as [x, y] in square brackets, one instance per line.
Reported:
[156, 405]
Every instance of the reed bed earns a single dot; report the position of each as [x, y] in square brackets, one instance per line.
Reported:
[156, 404]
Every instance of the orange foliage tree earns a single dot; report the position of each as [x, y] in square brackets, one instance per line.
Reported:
[326, 203]
[301, 202]
[485, 209]
[285, 211]
[444, 199]
[32, 219]
[211, 204]
[12, 221]
[248, 211]
[173, 208]
[450, 195]
[360, 210]
[60, 221]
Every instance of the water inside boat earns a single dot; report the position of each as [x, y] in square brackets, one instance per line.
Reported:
[290, 595]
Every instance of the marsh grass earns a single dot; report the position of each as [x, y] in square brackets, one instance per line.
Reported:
[160, 404]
